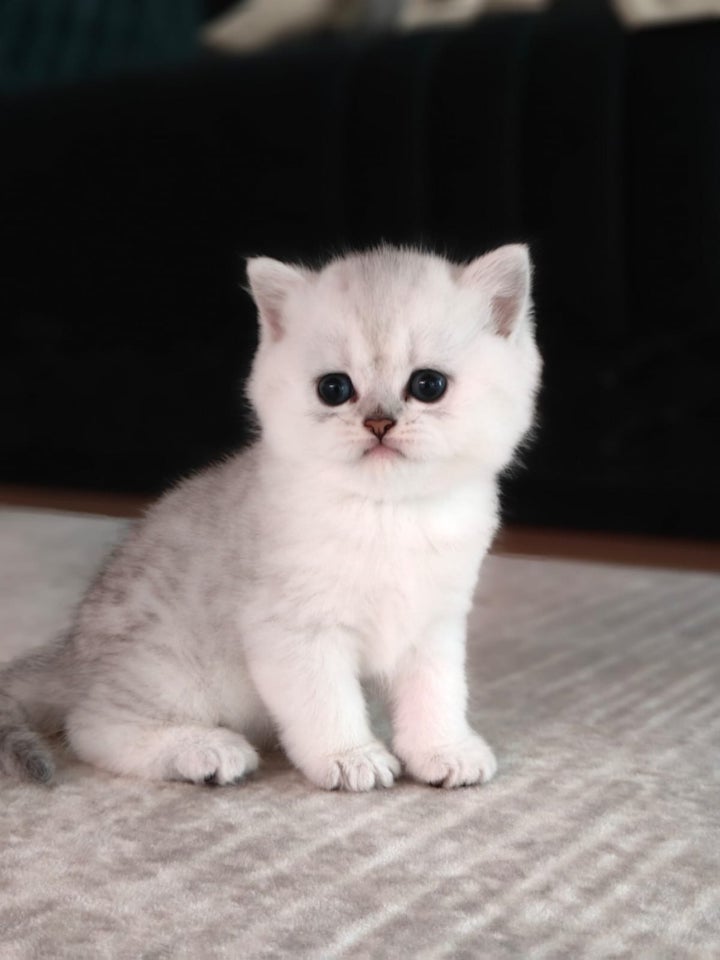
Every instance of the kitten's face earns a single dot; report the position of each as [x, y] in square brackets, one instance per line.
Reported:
[395, 361]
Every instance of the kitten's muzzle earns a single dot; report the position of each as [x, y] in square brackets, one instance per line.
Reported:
[378, 425]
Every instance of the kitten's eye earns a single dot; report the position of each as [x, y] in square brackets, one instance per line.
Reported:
[335, 388]
[427, 385]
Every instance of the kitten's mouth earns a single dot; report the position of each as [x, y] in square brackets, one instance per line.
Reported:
[382, 451]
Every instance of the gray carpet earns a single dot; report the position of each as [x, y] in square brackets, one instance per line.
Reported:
[600, 838]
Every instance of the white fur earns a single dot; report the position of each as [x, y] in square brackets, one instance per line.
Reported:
[260, 593]
[369, 567]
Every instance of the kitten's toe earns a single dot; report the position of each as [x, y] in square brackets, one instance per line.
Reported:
[360, 769]
[453, 765]
[216, 757]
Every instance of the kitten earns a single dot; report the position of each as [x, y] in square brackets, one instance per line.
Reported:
[391, 387]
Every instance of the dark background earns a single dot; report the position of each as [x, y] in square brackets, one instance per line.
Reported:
[129, 196]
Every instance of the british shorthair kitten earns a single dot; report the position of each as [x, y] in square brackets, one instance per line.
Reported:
[391, 388]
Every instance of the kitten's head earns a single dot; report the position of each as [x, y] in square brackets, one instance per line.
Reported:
[395, 363]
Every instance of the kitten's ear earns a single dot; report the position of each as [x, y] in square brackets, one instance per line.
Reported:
[505, 275]
[270, 283]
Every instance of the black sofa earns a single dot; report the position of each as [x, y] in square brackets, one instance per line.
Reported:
[128, 203]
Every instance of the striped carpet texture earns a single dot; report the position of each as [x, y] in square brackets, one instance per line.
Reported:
[600, 837]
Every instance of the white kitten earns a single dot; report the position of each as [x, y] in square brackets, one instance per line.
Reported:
[391, 387]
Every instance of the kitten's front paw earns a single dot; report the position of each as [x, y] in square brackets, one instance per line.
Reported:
[453, 765]
[216, 756]
[362, 768]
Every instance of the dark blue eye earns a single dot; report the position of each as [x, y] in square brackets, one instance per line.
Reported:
[427, 385]
[335, 388]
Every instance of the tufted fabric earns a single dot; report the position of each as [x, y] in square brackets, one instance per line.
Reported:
[128, 204]
[45, 42]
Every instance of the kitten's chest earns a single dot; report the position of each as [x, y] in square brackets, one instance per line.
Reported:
[415, 575]
[381, 571]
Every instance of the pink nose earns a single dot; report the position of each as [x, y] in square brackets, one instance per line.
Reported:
[379, 426]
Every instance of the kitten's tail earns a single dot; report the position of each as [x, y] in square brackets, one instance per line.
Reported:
[31, 692]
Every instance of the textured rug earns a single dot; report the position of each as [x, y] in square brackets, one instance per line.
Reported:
[600, 838]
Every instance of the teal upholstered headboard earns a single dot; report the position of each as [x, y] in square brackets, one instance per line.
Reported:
[46, 42]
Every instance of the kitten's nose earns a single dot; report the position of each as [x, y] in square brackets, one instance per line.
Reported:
[378, 425]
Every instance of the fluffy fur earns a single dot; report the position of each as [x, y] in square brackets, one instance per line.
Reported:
[255, 597]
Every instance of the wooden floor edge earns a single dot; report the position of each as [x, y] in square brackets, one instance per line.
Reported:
[592, 546]
[75, 501]
[605, 547]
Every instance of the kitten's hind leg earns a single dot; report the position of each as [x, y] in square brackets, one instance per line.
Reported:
[140, 747]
